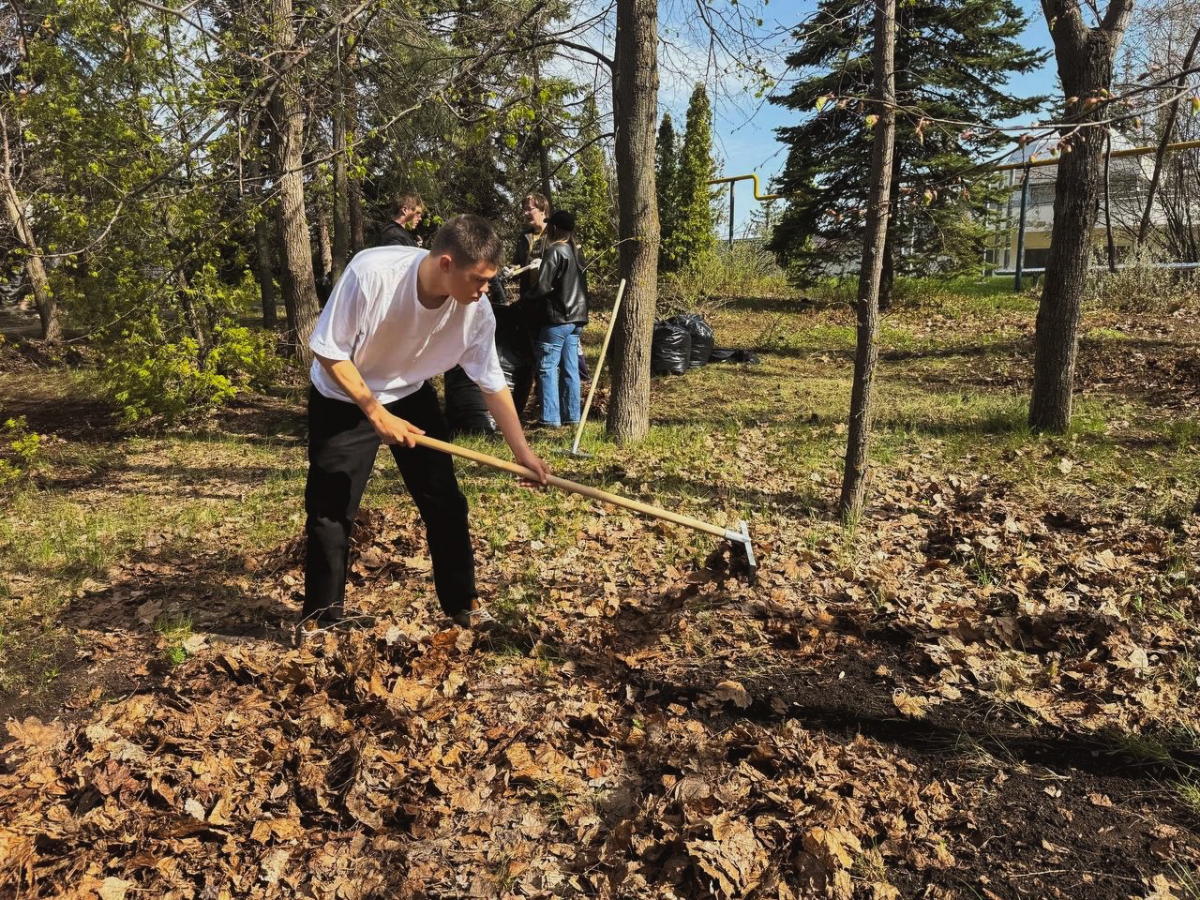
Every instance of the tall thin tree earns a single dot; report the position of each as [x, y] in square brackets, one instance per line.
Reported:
[1164, 139]
[666, 167]
[854, 478]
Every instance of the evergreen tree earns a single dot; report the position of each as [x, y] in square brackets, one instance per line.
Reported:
[953, 61]
[666, 171]
[693, 235]
[587, 192]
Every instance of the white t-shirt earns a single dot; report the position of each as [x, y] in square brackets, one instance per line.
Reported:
[373, 319]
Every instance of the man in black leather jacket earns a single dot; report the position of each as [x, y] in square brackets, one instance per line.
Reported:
[559, 302]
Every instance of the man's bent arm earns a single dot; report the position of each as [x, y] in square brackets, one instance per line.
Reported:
[391, 429]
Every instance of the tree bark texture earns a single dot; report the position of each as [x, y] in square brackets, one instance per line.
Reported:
[1111, 244]
[635, 102]
[1085, 59]
[870, 273]
[354, 204]
[287, 115]
[324, 244]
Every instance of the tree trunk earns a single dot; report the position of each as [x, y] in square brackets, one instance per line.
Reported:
[539, 135]
[287, 114]
[1085, 57]
[870, 273]
[543, 161]
[635, 101]
[324, 245]
[887, 278]
[1165, 138]
[887, 274]
[35, 269]
[354, 209]
[341, 192]
[1108, 232]
[195, 326]
[264, 268]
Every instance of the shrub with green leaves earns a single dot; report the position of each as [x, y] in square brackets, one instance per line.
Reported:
[20, 451]
[174, 381]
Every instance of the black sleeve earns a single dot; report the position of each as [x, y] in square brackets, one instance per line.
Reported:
[496, 292]
[548, 276]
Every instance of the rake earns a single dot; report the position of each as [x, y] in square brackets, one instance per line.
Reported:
[741, 551]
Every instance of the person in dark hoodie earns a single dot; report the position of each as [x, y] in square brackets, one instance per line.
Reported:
[559, 300]
[401, 231]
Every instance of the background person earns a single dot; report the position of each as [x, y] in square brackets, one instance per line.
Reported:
[559, 299]
[401, 231]
[516, 327]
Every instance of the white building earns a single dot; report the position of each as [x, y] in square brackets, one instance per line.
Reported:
[1129, 180]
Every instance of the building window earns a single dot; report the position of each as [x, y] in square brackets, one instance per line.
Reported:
[1037, 259]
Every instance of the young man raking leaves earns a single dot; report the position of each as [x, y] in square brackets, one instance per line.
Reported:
[398, 317]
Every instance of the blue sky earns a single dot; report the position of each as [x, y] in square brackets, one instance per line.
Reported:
[744, 132]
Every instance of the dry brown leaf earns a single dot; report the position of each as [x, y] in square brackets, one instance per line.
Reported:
[114, 888]
[733, 692]
[1161, 888]
[909, 705]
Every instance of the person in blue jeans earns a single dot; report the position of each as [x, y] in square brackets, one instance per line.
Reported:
[560, 299]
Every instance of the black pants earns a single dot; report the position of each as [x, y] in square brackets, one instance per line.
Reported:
[342, 445]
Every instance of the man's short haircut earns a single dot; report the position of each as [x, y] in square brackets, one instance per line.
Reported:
[468, 240]
[539, 201]
[412, 201]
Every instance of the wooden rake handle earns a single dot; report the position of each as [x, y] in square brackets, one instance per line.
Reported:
[576, 488]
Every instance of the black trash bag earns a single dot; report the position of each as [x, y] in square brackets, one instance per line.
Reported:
[671, 349]
[702, 337]
[466, 413]
[735, 356]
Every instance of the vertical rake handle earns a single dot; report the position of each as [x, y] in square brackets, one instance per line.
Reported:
[599, 367]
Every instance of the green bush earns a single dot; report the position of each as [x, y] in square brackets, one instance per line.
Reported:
[162, 380]
[174, 381]
[20, 451]
[246, 356]
[720, 276]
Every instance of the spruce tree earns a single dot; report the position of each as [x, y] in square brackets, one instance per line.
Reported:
[693, 227]
[952, 63]
[666, 171]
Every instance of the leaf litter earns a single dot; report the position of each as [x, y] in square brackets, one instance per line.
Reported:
[877, 720]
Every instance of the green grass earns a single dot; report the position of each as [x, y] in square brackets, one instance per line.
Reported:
[175, 631]
[93, 505]
[1188, 878]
